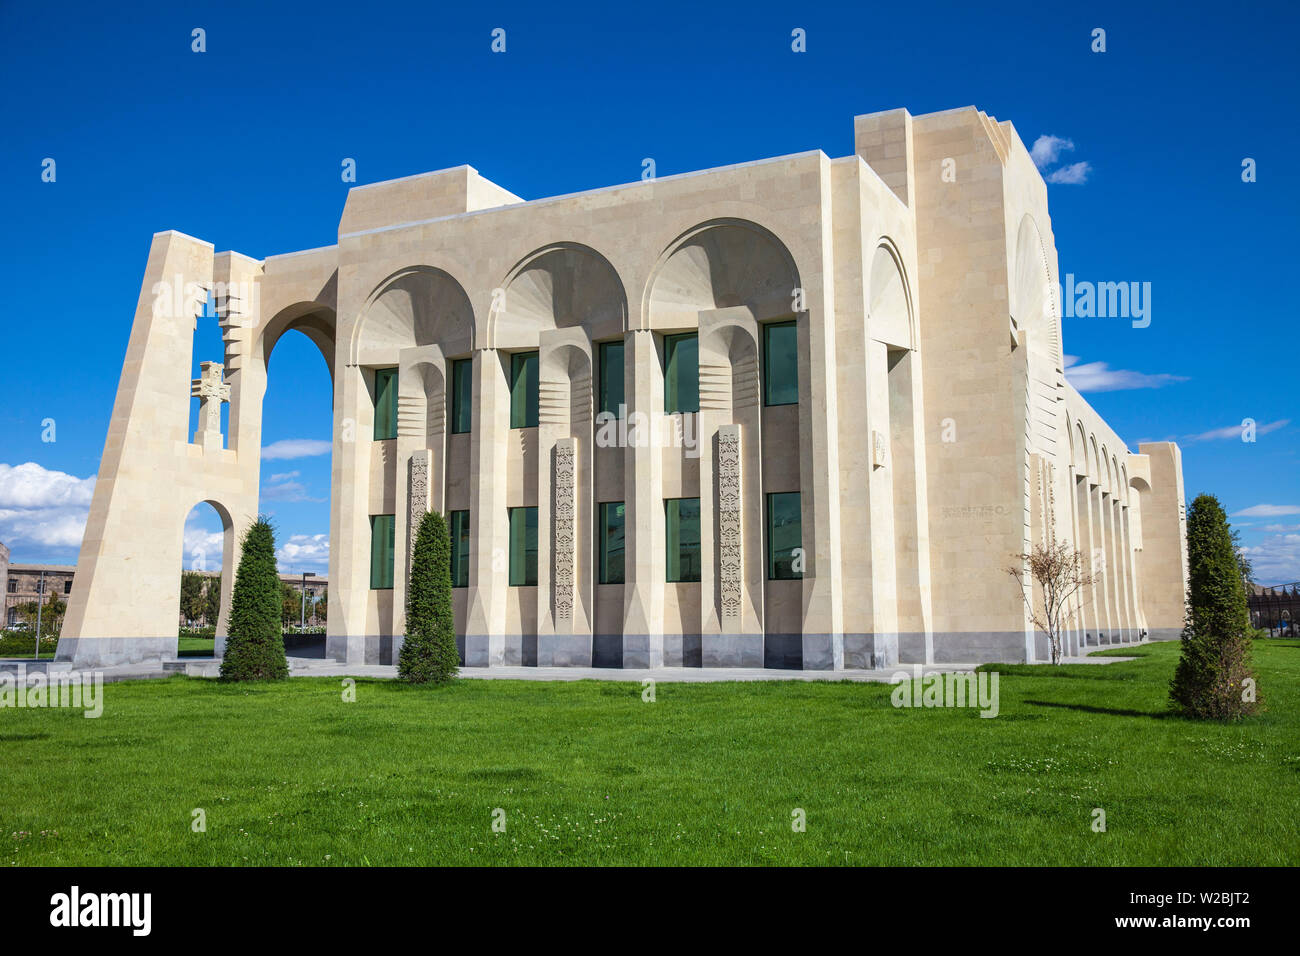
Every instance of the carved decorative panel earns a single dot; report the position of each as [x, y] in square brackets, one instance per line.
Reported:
[419, 499]
[564, 521]
[730, 537]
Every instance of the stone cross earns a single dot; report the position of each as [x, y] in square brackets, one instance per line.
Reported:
[211, 391]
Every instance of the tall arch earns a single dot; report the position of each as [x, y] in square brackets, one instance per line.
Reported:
[560, 286]
[720, 264]
[416, 306]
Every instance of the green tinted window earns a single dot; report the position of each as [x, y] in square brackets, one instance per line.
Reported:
[780, 364]
[462, 395]
[784, 536]
[682, 373]
[459, 549]
[383, 529]
[612, 516]
[611, 378]
[523, 390]
[682, 519]
[385, 403]
[523, 546]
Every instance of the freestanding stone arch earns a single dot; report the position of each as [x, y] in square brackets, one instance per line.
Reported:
[123, 606]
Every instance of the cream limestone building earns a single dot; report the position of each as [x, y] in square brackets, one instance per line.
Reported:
[800, 412]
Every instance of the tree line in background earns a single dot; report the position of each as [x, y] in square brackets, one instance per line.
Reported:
[201, 602]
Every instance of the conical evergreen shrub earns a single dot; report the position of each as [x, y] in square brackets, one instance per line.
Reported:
[255, 645]
[1215, 663]
[429, 651]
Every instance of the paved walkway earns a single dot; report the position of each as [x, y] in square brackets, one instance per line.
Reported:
[316, 667]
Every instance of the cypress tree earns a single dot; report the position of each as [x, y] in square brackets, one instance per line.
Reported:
[429, 651]
[1215, 661]
[255, 646]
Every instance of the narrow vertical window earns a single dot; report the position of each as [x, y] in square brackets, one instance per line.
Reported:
[682, 520]
[781, 364]
[523, 390]
[523, 547]
[682, 373]
[459, 549]
[612, 398]
[784, 536]
[382, 539]
[385, 403]
[611, 524]
[462, 395]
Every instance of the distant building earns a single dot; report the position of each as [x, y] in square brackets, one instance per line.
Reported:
[23, 584]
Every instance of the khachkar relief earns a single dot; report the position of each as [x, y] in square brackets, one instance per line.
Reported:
[566, 536]
[211, 391]
[730, 560]
[419, 498]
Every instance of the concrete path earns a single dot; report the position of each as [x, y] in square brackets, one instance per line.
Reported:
[316, 667]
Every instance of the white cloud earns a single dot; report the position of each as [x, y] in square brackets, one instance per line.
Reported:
[1100, 377]
[1047, 149]
[282, 487]
[304, 552]
[1276, 560]
[1076, 174]
[1235, 431]
[1267, 511]
[1274, 528]
[39, 506]
[31, 486]
[295, 448]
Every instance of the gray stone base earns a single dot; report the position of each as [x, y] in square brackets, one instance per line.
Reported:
[979, 647]
[731, 650]
[564, 650]
[872, 651]
[90, 652]
[1165, 634]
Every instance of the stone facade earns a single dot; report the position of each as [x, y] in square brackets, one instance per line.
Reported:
[934, 435]
[22, 584]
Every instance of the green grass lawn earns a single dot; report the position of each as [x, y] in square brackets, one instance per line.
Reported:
[195, 646]
[709, 773]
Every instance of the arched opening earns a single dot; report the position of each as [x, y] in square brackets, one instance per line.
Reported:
[564, 309]
[729, 290]
[408, 389]
[296, 473]
[208, 560]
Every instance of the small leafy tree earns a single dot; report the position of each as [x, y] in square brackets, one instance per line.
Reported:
[50, 613]
[212, 601]
[1213, 680]
[1060, 572]
[291, 603]
[255, 646]
[429, 652]
[191, 596]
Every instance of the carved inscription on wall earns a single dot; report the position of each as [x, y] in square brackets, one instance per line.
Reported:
[419, 499]
[730, 551]
[565, 527]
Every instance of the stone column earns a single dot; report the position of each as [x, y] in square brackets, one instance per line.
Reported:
[489, 523]
[643, 618]
[823, 623]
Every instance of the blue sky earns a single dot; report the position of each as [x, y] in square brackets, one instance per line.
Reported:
[242, 145]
